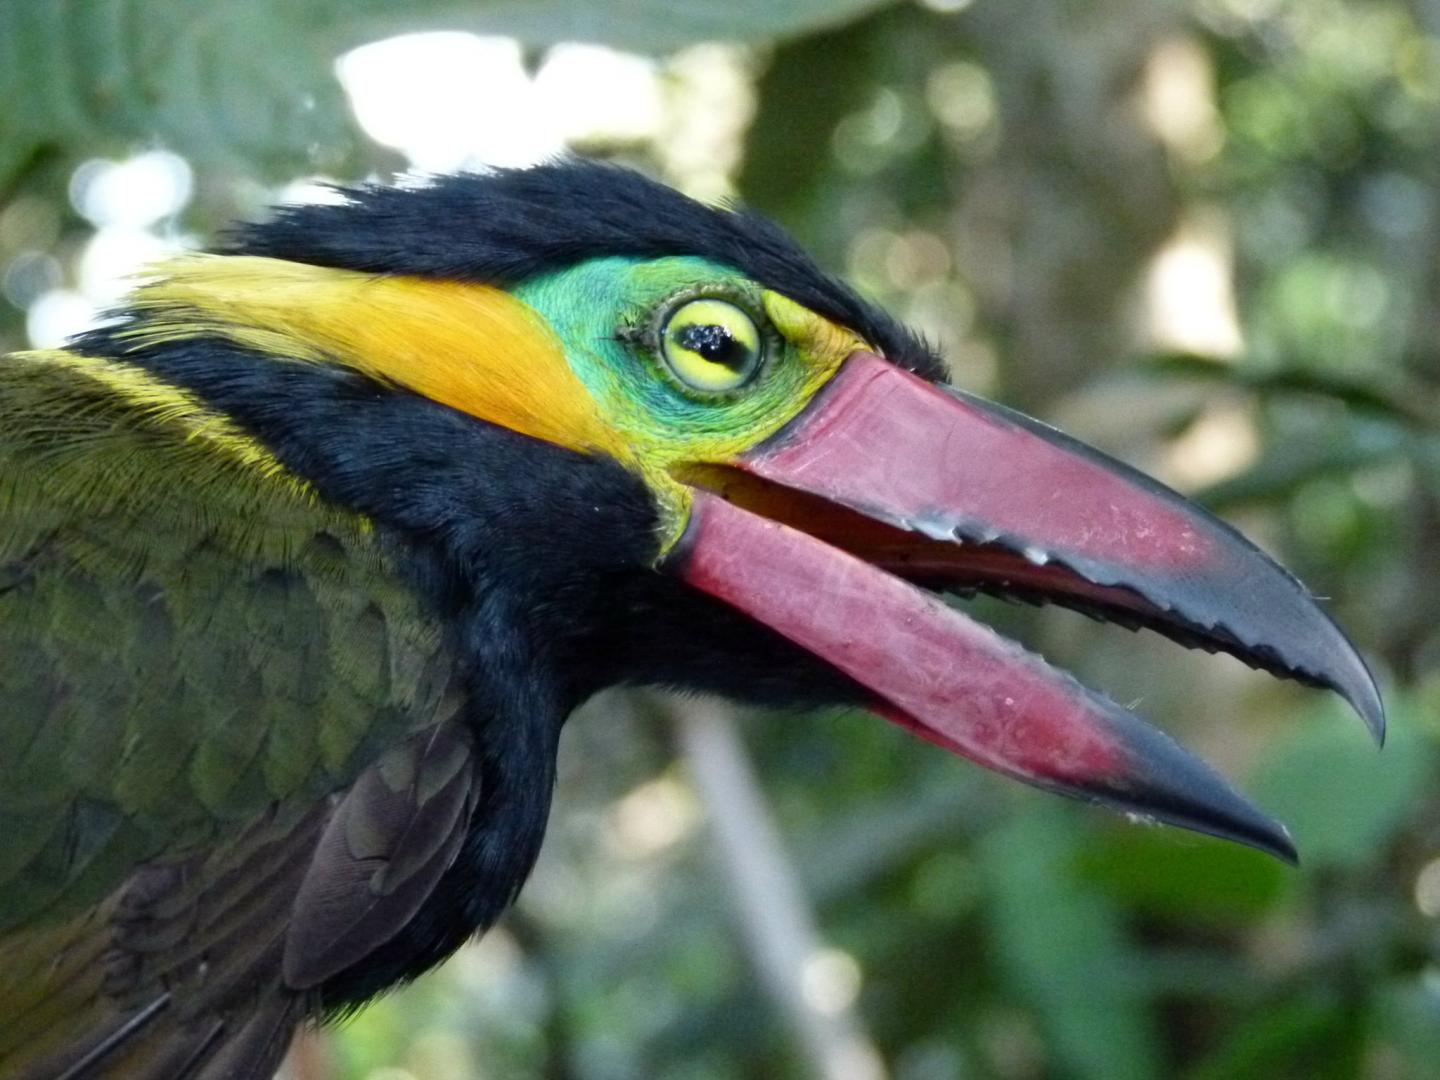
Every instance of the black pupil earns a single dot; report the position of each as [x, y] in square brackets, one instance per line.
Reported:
[716, 344]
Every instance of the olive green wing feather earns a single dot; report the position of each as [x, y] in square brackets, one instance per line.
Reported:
[198, 657]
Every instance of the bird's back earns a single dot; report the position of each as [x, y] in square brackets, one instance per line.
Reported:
[198, 657]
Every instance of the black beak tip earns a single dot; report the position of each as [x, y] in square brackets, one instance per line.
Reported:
[1286, 853]
[1226, 816]
[1242, 823]
[1273, 839]
[1327, 657]
[1165, 782]
[1365, 700]
[1351, 678]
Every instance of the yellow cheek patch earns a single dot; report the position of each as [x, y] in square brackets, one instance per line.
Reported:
[471, 347]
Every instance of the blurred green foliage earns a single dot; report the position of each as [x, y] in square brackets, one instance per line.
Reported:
[248, 86]
[1007, 176]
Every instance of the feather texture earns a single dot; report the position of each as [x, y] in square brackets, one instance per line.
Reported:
[198, 659]
[397, 829]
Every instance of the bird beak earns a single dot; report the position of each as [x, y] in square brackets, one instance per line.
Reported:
[886, 485]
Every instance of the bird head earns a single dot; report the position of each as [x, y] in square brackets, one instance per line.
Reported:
[644, 440]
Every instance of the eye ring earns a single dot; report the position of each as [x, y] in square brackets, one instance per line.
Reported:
[711, 345]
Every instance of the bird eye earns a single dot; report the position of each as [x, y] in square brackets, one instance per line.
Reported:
[711, 345]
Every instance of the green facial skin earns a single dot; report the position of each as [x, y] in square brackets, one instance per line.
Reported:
[609, 311]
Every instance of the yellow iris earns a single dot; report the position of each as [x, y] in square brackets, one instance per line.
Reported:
[712, 345]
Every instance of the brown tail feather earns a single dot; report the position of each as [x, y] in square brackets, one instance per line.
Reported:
[256, 1048]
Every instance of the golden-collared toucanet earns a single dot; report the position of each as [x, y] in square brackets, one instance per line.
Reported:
[308, 553]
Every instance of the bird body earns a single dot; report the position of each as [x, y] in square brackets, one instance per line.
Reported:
[306, 556]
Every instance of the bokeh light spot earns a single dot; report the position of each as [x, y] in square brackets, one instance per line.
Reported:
[830, 981]
[57, 316]
[30, 275]
[961, 97]
[134, 193]
[1427, 889]
[448, 101]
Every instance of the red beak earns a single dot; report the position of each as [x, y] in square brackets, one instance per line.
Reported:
[887, 482]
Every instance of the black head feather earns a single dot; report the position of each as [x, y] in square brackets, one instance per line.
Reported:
[502, 227]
